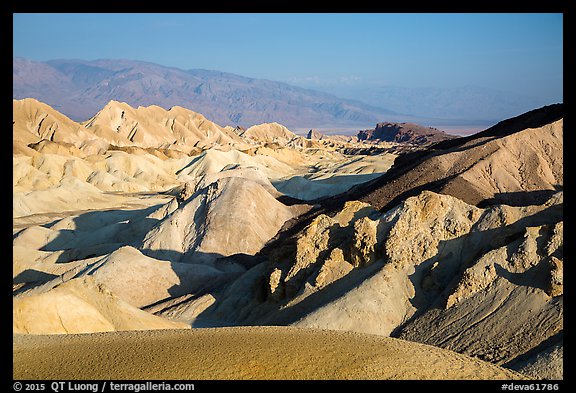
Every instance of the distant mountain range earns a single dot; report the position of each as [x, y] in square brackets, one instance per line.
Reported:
[79, 89]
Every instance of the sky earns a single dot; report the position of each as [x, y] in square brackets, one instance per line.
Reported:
[519, 53]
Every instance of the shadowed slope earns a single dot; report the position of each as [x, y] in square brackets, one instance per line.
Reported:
[522, 154]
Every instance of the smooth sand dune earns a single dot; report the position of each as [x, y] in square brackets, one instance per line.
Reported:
[240, 353]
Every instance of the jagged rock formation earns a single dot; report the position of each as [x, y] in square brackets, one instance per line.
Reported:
[156, 127]
[149, 149]
[120, 125]
[404, 133]
[431, 261]
[493, 310]
[421, 247]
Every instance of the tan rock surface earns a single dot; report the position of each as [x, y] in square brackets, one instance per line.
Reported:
[33, 121]
[233, 215]
[241, 353]
[81, 306]
[443, 272]
[152, 126]
[269, 133]
[189, 221]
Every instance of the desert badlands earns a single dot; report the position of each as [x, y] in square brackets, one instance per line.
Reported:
[156, 244]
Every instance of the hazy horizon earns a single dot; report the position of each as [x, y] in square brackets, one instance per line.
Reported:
[427, 65]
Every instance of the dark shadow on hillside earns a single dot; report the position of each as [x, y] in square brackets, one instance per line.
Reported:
[99, 232]
[32, 275]
[29, 279]
[381, 193]
[402, 165]
[525, 358]
[521, 198]
[268, 311]
[290, 201]
[287, 237]
[328, 294]
[193, 287]
[533, 119]
[194, 277]
[374, 191]
[345, 182]
[535, 277]
[191, 163]
[234, 266]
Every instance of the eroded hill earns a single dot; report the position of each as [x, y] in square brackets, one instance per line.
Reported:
[151, 219]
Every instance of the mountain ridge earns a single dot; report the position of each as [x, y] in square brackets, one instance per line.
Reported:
[79, 88]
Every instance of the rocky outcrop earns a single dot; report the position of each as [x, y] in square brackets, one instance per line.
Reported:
[328, 247]
[314, 135]
[404, 133]
[421, 271]
[426, 252]
[186, 192]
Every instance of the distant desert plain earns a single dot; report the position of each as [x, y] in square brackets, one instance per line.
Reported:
[156, 244]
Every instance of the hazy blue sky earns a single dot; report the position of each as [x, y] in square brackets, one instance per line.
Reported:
[520, 53]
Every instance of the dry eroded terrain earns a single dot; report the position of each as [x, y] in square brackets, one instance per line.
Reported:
[241, 353]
